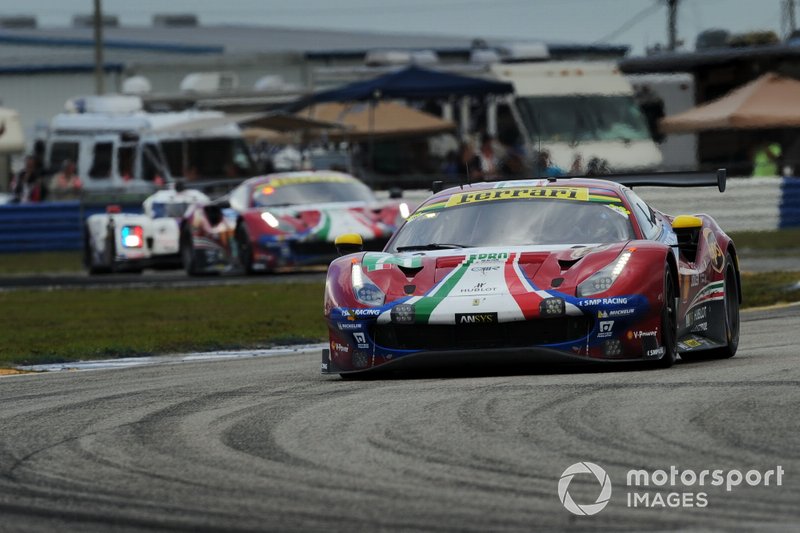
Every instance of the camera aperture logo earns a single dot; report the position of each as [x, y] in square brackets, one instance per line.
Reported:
[590, 508]
[667, 488]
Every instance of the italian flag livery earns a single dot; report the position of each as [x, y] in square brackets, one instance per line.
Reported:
[436, 297]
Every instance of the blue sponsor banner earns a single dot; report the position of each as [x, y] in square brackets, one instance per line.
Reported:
[790, 203]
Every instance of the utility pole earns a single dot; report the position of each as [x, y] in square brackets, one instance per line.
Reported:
[790, 17]
[672, 24]
[99, 75]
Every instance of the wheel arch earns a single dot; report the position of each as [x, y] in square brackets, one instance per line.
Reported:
[731, 249]
[672, 263]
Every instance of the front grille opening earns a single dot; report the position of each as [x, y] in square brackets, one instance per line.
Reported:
[478, 336]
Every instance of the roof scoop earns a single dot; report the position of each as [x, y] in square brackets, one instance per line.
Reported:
[566, 264]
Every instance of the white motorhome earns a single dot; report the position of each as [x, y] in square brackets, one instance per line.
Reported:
[569, 108]
[577, 109]
[676, 92]
[117, 145]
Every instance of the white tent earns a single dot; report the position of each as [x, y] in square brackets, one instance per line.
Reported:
[12, 140]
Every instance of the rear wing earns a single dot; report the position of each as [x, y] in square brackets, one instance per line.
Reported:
[666, 179]
[718, 177]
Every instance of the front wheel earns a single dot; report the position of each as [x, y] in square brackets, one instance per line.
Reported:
[89, 255]
[244, 248]
[669, 321]
[188, 256]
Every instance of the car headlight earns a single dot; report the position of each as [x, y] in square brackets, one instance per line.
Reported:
[270, 219]
[364, 290]
[603, 279]
[277, 222]
[404, 210]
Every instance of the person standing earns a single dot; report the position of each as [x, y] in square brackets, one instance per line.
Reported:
[469, 164]
[67, 182]
[488, 156]
[765, 159]
[27, 185]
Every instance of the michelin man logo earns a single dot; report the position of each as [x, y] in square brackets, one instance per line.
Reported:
[587, 509]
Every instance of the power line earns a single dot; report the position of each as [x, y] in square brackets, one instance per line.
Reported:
[628, 24]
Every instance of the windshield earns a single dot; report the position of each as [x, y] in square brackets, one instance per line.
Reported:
[170, 210]
[293, 191]
[515, 222]
[582, 118]
[197, 159]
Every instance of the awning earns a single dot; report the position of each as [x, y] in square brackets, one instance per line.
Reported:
[361, 121]
[768, 102]
[409, 83]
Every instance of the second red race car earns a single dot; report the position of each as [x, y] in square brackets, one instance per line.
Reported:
[285, 219]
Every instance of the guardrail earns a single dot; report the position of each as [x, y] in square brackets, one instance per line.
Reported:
[748, 204]
[754, 204]
[50, 226]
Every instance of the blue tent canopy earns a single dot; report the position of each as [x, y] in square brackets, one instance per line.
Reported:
[412, 82]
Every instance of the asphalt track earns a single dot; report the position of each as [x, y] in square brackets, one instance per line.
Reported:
[269, 444]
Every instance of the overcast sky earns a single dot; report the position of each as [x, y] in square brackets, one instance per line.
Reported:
[638, 23]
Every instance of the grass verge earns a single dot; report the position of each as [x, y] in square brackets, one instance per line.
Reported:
[40, 262]
[780, 243]
[769, 288]
[68, 325]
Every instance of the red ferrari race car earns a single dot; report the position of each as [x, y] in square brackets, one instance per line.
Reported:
[285, 219]
[548, 269]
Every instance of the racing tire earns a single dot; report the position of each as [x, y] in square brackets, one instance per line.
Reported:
[731, 305]
[669, 322]
[244, 248]
[188, 255]
[88, 257]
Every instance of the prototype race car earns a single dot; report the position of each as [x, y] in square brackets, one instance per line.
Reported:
[537, 270]
[285, 219]
[116, 241]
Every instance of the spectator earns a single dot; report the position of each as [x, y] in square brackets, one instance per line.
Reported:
[67, 182]
[191, 173]
[27, 185]
[450, 165]
[597, 167]
[546, 167]
[577, 166]
[765, 159]
[469, 164]
[488, 156]
[512, 166]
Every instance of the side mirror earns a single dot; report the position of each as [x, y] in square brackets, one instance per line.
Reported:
[687, 229]
[349, 243]
[395, 192]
